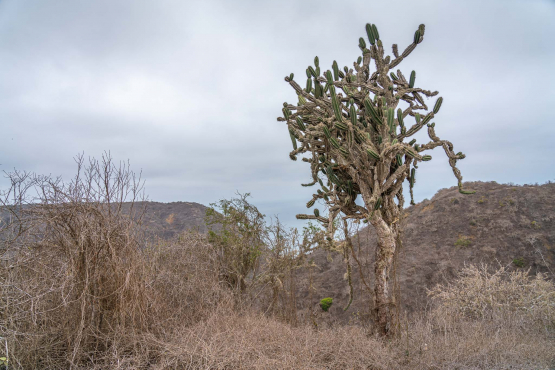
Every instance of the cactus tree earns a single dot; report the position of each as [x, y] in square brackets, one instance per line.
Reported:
[353, 133]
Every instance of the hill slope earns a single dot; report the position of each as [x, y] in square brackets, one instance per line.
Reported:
[167, 220]
[500, 224]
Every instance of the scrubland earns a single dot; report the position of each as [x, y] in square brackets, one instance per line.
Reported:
[83, 287]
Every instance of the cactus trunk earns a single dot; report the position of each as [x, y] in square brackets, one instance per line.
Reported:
[384, 300]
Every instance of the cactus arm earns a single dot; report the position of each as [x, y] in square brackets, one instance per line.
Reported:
[409, 48]
[398, 174]
[416, 127]
[448, 147]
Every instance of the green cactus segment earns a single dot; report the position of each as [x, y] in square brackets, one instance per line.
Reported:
[293, 140]
[312, 71]
[291, 76]
[393, 77]
[353, 115]
[391, 119]
[412, 141]
[308, 86]
[417, 37]
[334, 143]
[332, 91]
[335, 68]
[359, 59]
[341, 126]
[316, 212]
[336, 108]
[403, 130]
[417, 117]
[394, 141]
[370, 34]
[344, 151]
[378, 204]
[327, 132]
[412, 174]
[412, 78]
[373, 154]
[310, 203]
[375, 32]
[326, 303]
[400, 117]
[361, 43]
[370, 109]
[286, 113]
[316, 62]
[399, 160]
[329, 77]
[308, 75]
[318, 91]
[317, 71]
[300, 124]
[380, 140]
[302, 100]
[426, 158]
[438, 104]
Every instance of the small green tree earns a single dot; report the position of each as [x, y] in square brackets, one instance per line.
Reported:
[352, 127]
[238, 230]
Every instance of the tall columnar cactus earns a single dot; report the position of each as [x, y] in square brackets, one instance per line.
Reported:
[354, 133]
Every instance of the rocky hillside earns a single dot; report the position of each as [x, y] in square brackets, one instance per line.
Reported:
[167, 220]
[499, 225]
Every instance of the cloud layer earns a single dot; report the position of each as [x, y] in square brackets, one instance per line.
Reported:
[189, 91]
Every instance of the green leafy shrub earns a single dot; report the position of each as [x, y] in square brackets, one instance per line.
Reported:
[463, 241]
[519, 262]
[326, 303]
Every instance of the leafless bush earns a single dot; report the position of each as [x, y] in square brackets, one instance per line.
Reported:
[78, 282]
[503, 296]
[286, 251]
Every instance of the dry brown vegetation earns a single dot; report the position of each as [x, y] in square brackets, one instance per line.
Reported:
[82, 288]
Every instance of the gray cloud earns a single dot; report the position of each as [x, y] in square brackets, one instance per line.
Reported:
[190, 91]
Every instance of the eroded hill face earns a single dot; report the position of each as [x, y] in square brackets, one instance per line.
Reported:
[500, 224]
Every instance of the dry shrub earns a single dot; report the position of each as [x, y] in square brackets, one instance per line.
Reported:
[228, 340]
[78, 283]
[184, 278]
[502, 296]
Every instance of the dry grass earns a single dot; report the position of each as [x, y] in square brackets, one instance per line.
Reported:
[192, 322]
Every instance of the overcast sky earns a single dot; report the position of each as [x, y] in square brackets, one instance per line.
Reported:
[189, 91]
